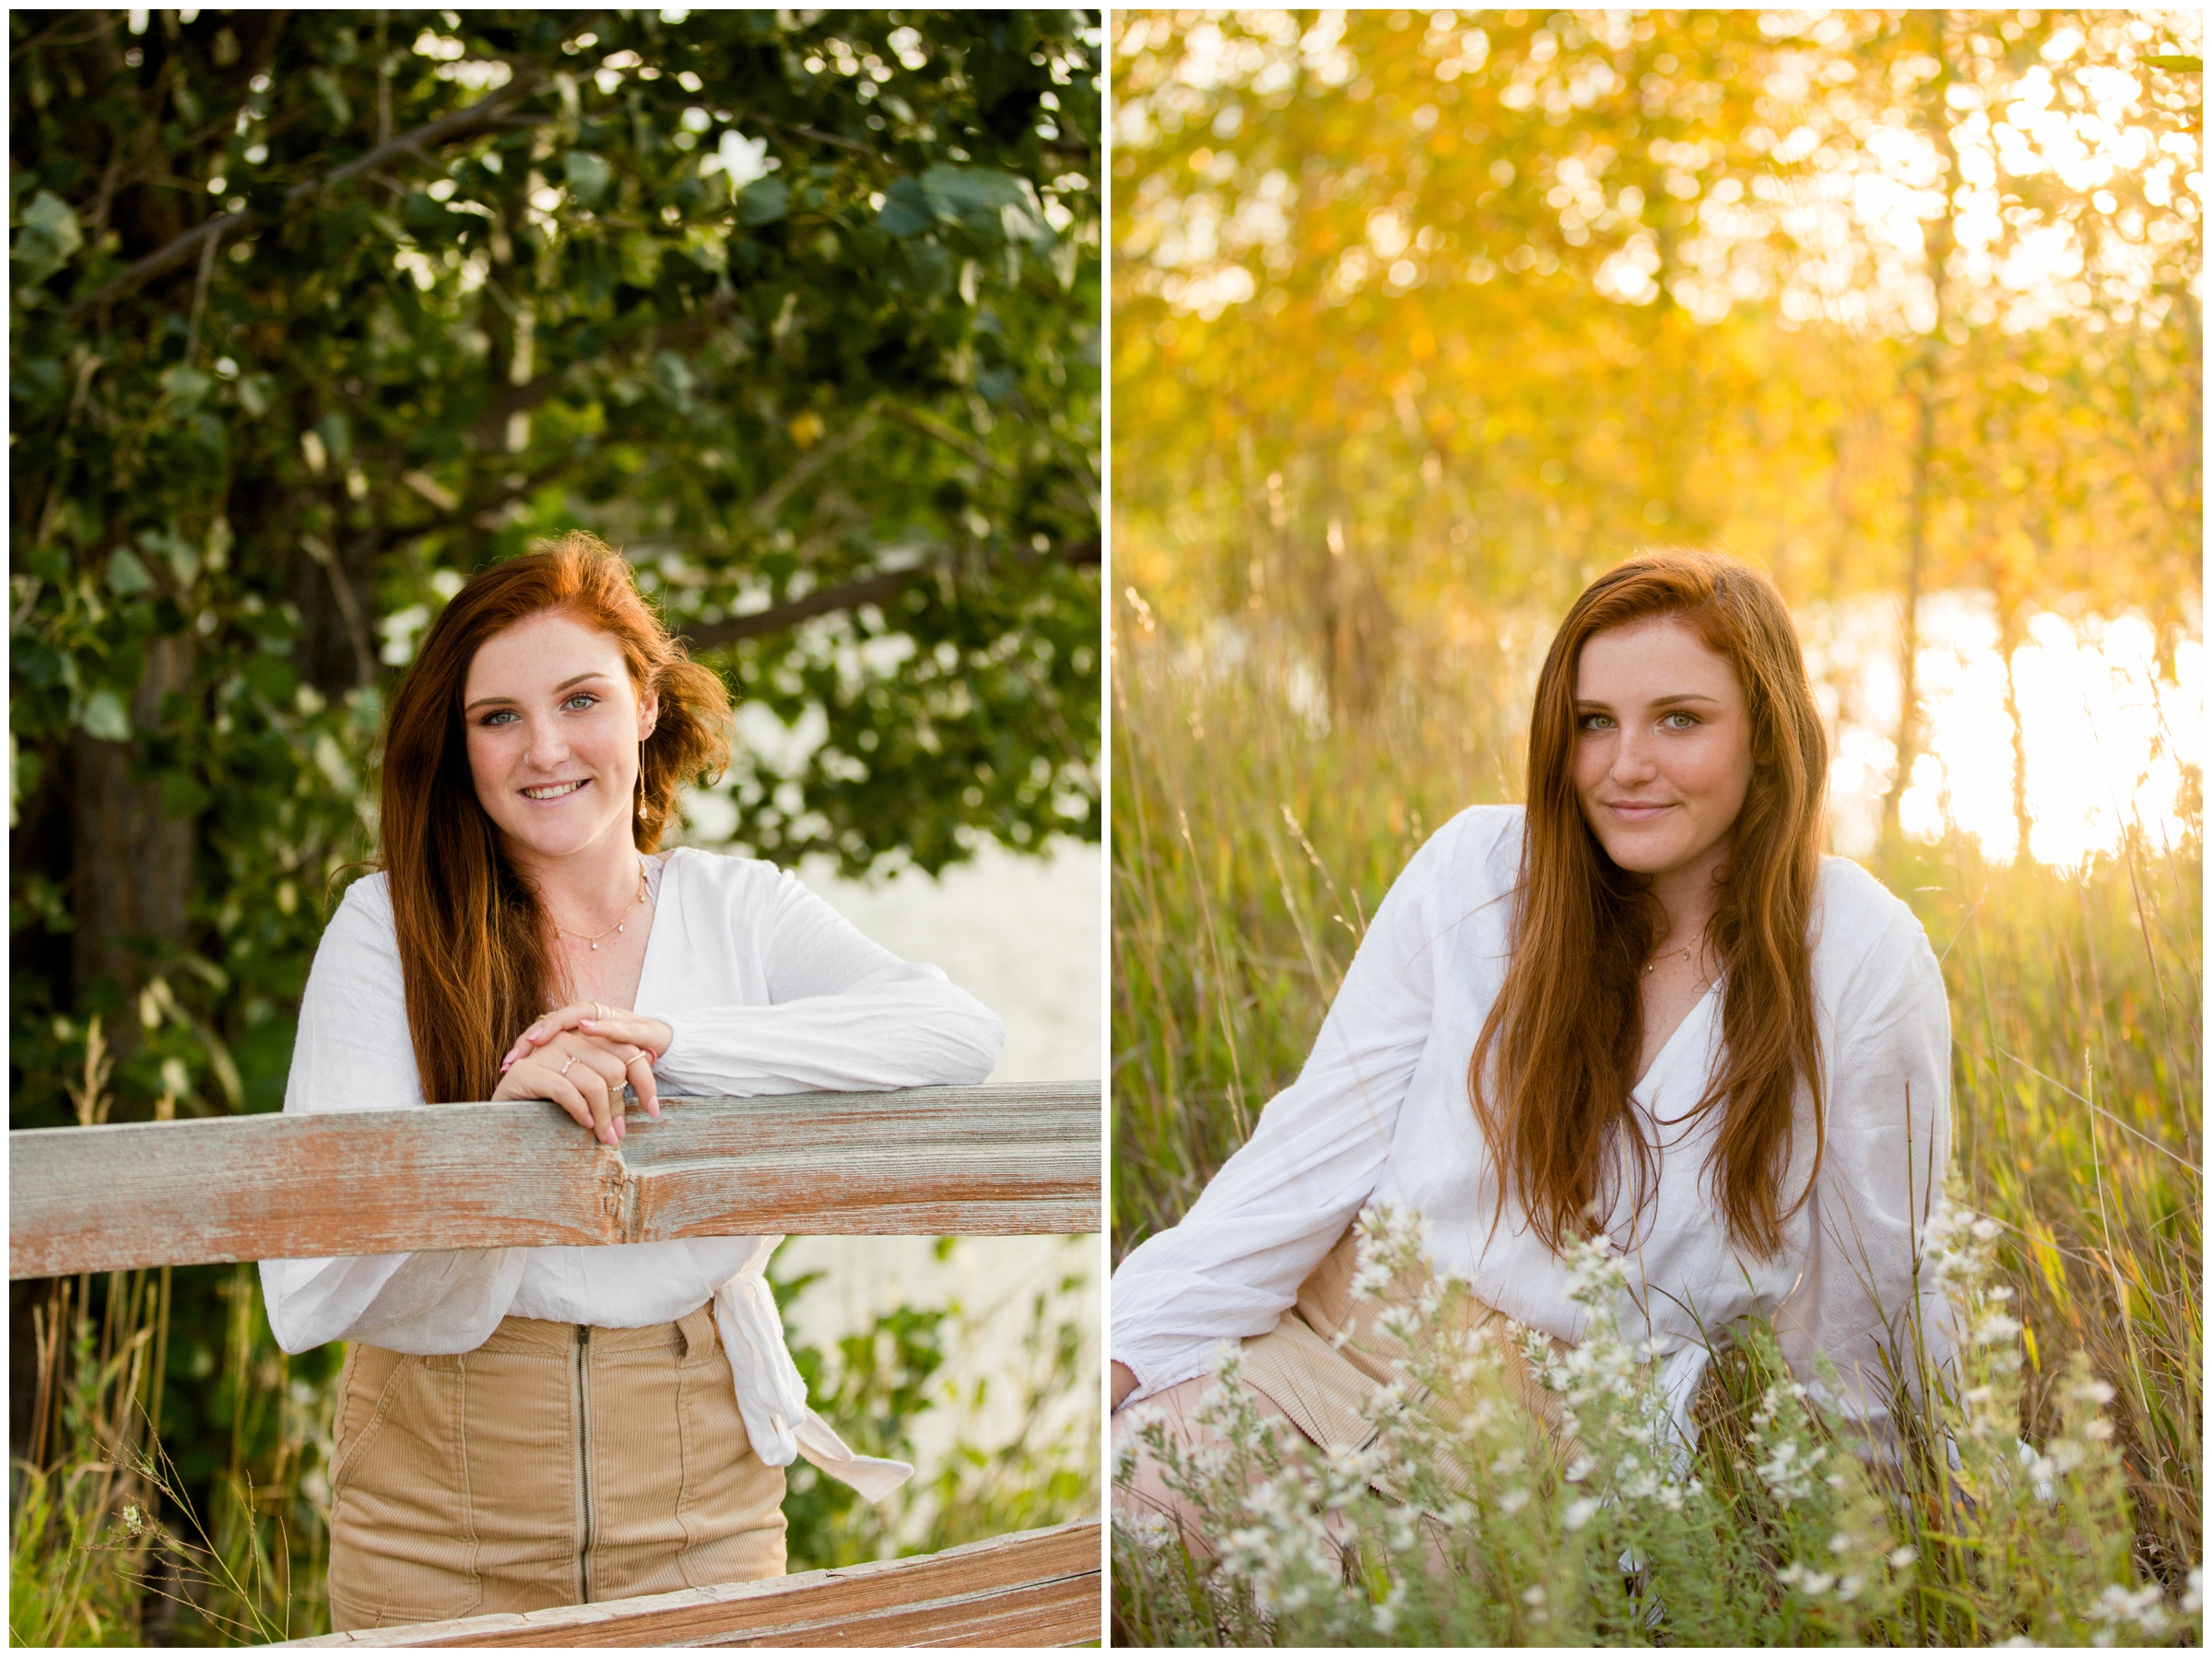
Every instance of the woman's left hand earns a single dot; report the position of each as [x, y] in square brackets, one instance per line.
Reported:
[596, 1018]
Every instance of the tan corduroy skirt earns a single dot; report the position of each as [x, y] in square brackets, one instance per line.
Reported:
[556, 1464]
[1330, 1353]
[1324, 1359]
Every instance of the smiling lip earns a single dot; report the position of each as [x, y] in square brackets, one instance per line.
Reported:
[1637, 811]
[546, 799]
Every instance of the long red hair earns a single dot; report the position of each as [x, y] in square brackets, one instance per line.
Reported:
[475, 949]
[1550, 1073]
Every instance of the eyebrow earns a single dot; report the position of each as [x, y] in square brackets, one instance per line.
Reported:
[1661, 701]
[483, 701]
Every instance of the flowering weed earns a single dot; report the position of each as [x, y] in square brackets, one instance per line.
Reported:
[1470, 1518]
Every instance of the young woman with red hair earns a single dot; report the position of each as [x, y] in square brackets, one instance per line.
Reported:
[526, 1428]
[1642, 1005]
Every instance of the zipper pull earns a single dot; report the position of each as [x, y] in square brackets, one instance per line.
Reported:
[584, 1334]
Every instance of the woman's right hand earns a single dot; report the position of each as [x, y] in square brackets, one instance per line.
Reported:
[585, 1075]
[1124, 1382]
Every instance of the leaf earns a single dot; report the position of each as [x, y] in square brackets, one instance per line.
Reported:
[642, 258]
[905, 209]
[993, 207]
[48, 238]
[103, 717]
[2180, 65]
[187, 388]
[330, 760]
[588, 176]
[763, 202]
[127, 575]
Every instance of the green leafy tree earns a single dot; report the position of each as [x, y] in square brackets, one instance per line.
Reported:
[317, 312]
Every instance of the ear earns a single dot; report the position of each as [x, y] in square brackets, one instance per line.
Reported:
[649, 713]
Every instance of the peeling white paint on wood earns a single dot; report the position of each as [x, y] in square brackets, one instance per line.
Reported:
[927, 1161]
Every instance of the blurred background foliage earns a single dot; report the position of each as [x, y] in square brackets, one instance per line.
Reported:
[1420, 312]
[314, 313]
[1421, 319]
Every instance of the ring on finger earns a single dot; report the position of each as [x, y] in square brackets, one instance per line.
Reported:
[564, 1069]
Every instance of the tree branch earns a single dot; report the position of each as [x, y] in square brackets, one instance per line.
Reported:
[930, 426]
[520, 399]
[774, 495]
[868, 590]
[485, 113]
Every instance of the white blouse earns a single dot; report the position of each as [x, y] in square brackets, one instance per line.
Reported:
[769, 990]
[1381, 1112]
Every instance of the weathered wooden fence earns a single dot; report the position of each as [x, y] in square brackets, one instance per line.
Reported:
[923, 1161]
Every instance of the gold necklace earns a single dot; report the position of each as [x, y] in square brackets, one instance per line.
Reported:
[1684, 952]
[618, 924]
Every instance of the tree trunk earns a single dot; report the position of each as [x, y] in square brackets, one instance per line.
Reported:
[131, 875]
[1937, 239]
[335, 650]
[2010, 635]
[1356, 628]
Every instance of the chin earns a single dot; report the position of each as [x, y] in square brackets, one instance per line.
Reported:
[1640, 857]
[552, 839]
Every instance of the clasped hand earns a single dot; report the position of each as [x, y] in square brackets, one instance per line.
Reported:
[580, 1057]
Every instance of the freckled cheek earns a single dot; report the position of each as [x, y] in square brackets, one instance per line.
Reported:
[1708, 771]
[1592, 760]
[483, 766]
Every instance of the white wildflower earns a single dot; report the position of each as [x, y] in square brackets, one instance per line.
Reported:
[2145, 1607]
[1996, 1328]
[1804, 1579]
[1150, 1531]
[1580, 1511]
[1902, 1556]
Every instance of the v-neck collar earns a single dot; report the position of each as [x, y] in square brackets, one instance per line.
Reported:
[669, 864]
[1699, 1014]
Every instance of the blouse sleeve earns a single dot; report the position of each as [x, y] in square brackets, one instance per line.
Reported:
[1863, 1292]
[844, 1014]
[353, 1052]
[1235, 1262]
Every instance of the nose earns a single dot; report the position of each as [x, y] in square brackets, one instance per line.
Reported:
[1632, 762]
[549, 746]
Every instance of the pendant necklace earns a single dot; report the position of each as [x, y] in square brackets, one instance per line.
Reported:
[1684, 952]
[633, 903]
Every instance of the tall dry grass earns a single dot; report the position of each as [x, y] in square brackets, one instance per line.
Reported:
[1252, 837]
[108, 1546]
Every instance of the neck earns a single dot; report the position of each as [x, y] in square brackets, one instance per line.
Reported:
[593, 880]
[1688, 897]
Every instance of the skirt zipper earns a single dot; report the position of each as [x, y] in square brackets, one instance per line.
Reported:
[583, 1452]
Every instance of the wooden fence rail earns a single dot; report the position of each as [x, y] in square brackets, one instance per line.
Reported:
[921, 1161]
[1037, 1588]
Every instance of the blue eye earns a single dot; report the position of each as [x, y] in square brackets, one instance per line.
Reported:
[1688, 719]
[584, 696]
